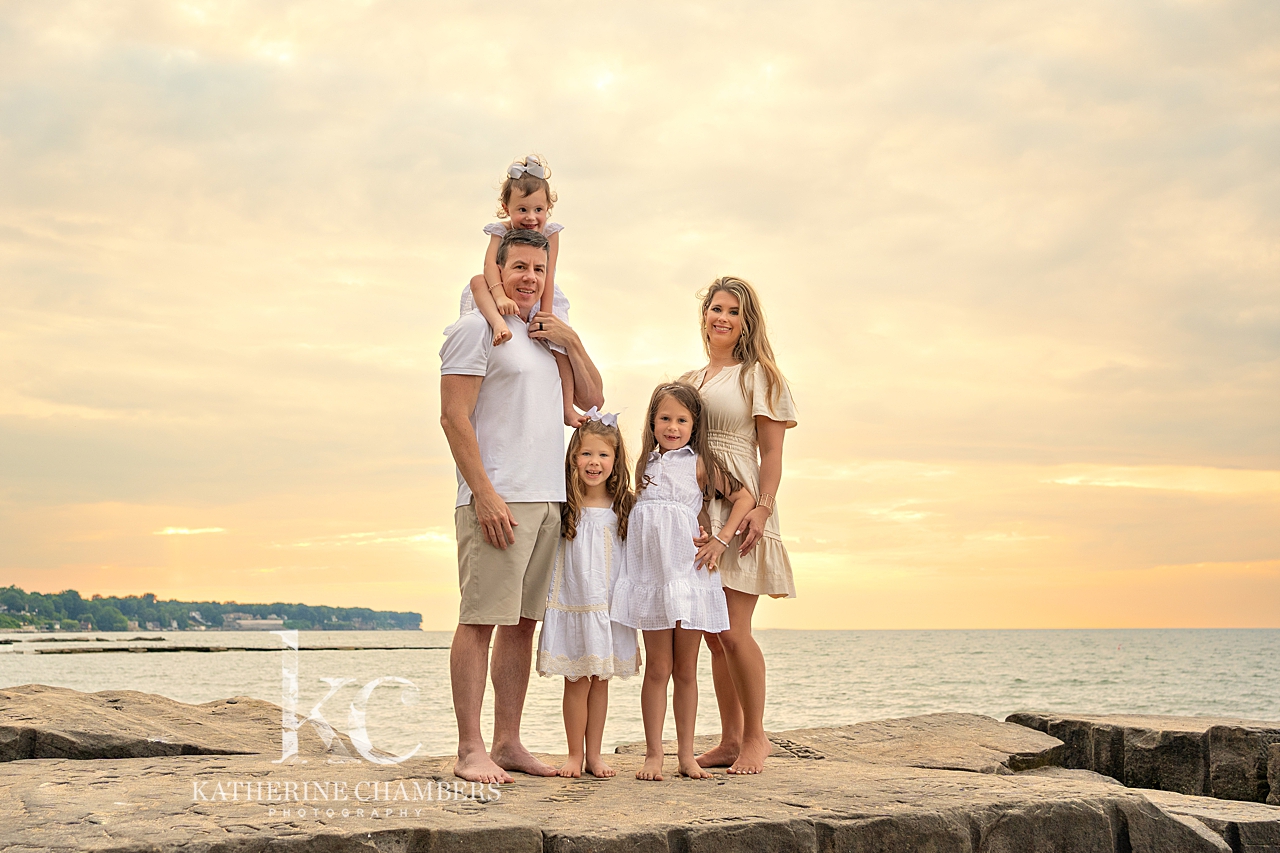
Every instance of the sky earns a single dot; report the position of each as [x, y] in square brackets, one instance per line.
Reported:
[1019, 262]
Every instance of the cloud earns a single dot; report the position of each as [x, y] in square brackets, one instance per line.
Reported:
[1000, 244]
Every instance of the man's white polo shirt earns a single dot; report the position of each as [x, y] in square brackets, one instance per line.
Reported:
[519, 416]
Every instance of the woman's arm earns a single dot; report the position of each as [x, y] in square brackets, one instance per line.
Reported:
[769, 434]
[549, 291]
[709, 553]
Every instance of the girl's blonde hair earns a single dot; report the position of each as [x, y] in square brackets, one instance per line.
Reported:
[617, 485]
[526, 183]
[687, 396]
[752, 347]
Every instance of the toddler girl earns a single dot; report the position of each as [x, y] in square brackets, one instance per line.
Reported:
[525, 199]
[578, 640]
[667, 588]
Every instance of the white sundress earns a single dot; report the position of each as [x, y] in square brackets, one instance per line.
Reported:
[658, 585]
[578, 639]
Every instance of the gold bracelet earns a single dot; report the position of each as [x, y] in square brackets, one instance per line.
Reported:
[492, 286]
[765, 501]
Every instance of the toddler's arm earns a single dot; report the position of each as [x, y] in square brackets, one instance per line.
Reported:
[487, 291]
[549, 291]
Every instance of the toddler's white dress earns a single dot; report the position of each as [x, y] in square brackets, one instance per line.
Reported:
[559, 302]
[659, 585]
[577, 638]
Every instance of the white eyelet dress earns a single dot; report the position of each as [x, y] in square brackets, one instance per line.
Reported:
[577, 636]
[659, 585]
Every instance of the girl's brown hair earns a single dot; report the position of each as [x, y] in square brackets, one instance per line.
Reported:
[527, 184]
[687, 396]
[752, 347]
[618, 484]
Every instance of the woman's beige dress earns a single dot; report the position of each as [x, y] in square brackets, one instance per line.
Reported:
[731, 417]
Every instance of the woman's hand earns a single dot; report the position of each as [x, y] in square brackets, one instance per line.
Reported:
[752, 528]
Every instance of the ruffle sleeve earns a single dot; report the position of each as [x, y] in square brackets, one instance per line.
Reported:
[782, 408]
[552, 228]
[496, 229]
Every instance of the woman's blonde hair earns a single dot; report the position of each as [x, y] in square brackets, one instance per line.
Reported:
[526, 183]
[617, 485]
[752, 347]
[687, 396]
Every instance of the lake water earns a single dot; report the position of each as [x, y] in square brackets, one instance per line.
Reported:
[816, 678]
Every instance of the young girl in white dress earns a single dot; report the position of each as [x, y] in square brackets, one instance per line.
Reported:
[524, 201]
[578, 639]
[668, 588]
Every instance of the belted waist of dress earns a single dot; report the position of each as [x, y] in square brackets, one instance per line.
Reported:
[727, 440]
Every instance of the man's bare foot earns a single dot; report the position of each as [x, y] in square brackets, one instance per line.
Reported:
[596, 767]
[520, 760]
[751, 759]
[690, 767]
[721, 756]
[652, 769]
[478, 767]
[571, 769]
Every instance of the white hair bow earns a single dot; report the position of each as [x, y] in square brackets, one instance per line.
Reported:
[531, 166]
[609, 419]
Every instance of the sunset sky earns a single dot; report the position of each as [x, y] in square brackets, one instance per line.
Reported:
[1020, 262]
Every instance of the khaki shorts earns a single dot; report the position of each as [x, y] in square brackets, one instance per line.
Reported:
[501, 587]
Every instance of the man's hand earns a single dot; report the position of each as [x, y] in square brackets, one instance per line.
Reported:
[496, 520]
[546, 326]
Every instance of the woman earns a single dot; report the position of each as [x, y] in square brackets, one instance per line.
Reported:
[749, 410]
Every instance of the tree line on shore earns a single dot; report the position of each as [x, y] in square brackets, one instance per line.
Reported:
[68, 611]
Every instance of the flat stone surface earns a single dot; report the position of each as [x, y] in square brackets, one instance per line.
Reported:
[38, 721]
[942, 782]
[1224, 757]
[206, 803]
[1251, 827]
[941, 741]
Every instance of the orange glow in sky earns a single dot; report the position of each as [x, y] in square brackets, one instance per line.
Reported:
[1019, 261]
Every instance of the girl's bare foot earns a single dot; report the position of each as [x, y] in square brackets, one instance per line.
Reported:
[652, 769]
[596, 767]
[721, 756]
[690, 767]
[571, 769]
[751, 759]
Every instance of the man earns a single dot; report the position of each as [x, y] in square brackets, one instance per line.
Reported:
[502, 413]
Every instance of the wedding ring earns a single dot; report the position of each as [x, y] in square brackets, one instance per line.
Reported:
[540, 325]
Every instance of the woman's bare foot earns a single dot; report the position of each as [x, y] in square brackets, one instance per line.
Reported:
[571, 769]
[479, 767]
[596, 767]
[690, 767]
[652, 769]
[520, 760]
[721, 756]
[751, 758]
